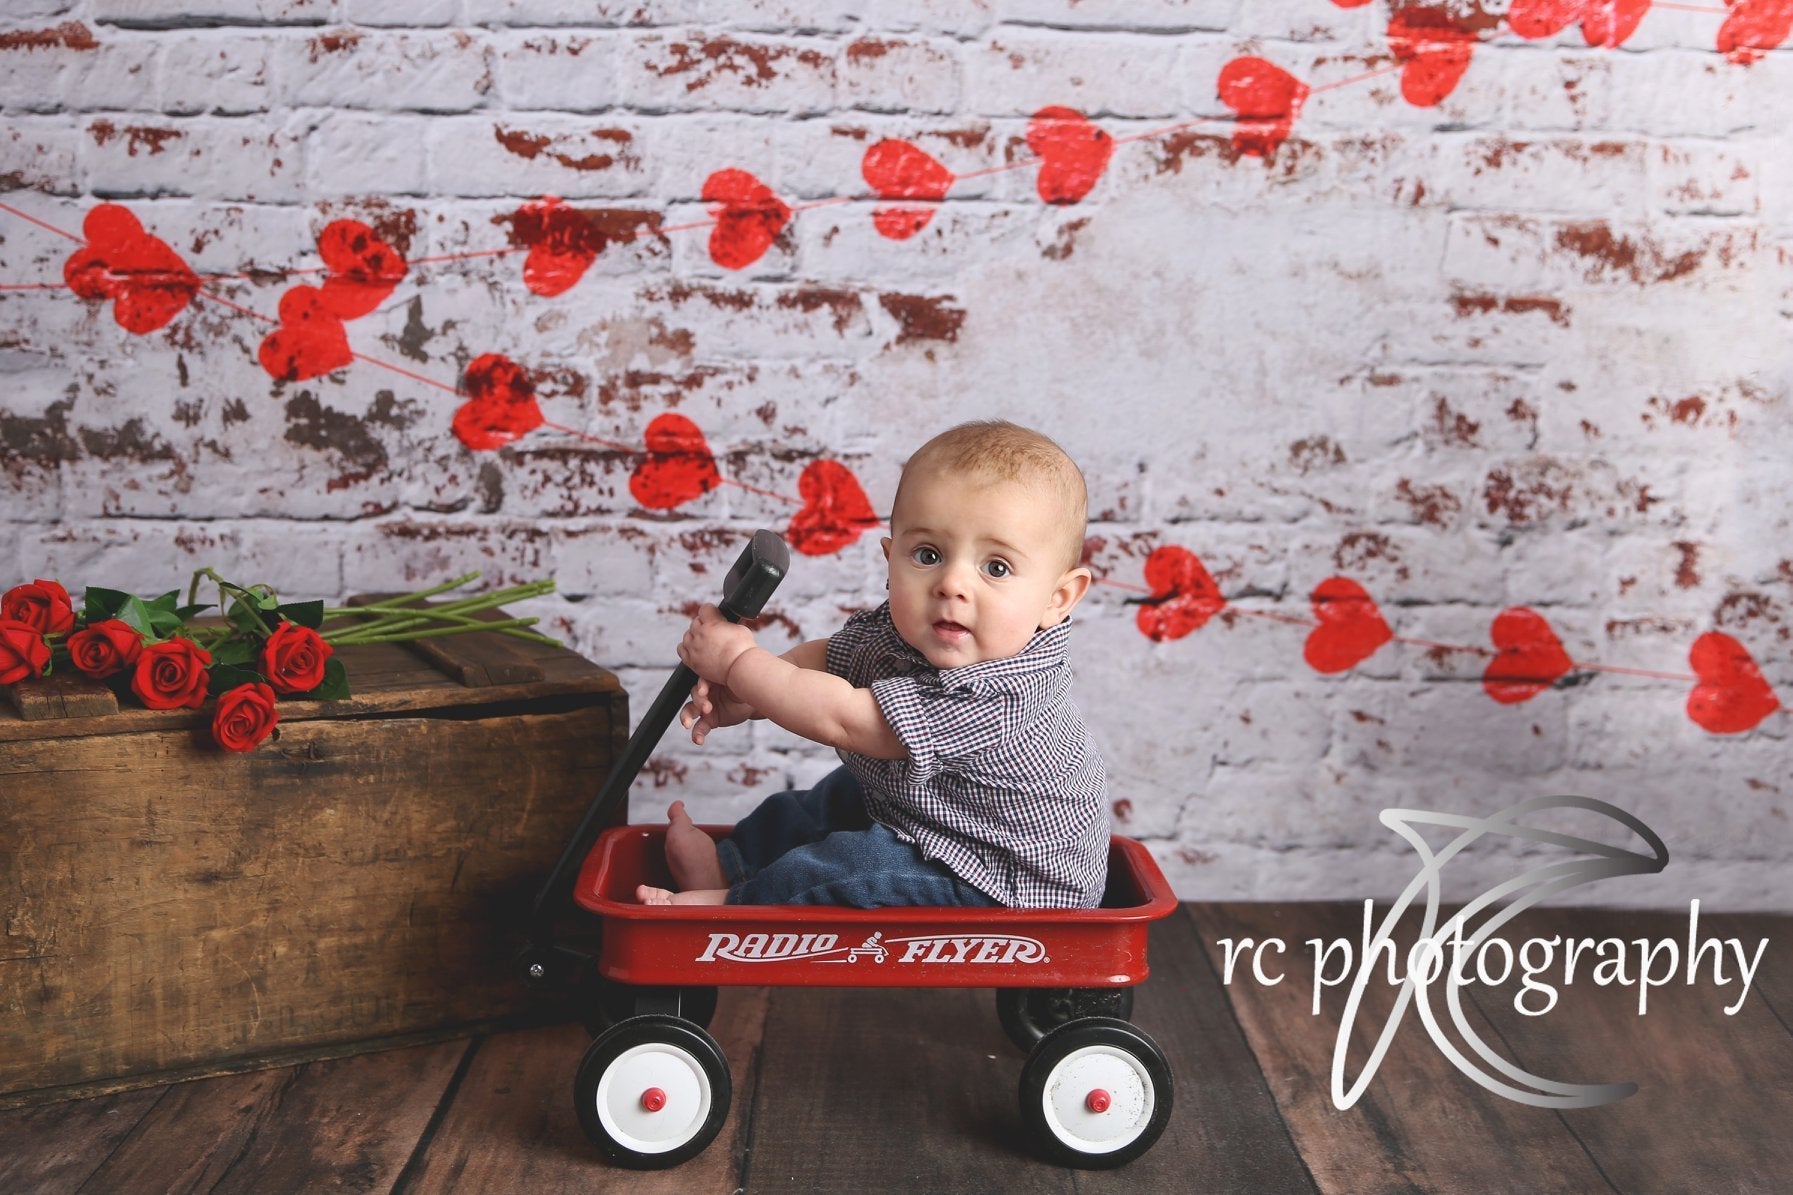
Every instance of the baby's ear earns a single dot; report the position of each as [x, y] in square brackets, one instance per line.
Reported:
[1065, 595]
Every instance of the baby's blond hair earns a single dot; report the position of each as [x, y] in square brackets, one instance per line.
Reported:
[997, 450]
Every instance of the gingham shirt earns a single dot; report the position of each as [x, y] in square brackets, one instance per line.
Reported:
[1001, 782]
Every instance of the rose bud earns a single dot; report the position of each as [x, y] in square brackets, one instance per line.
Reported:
[293, 658]
[105, 648]
[42, 604]
[22, 651]
[245, 716]
[172, 675]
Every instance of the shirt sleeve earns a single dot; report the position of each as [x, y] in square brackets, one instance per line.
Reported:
[845, 644]
[937, 722]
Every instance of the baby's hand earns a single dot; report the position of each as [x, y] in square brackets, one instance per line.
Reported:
[710, 708]
[712, 643]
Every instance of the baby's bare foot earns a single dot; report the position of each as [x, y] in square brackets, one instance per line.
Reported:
[690, 853]
[648, 895]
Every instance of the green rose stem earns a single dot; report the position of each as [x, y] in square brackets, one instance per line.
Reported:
[394, 621]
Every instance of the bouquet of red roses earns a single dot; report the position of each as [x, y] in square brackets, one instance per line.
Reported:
[262, 649]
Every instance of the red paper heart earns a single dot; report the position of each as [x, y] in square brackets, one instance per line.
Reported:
[363, 268]
[1436, 49]
[1732, 695]
[310, 340]
[1753, 28]
[1603, 22]
[678, 466]
[1267, 99]
[500, 404]
[147, 281]
[749, 218]
[1183, 597]
[562, 245]
[1530, 658]
[1351, 627]
[898, 170]
[1073, 153]
[835, 510]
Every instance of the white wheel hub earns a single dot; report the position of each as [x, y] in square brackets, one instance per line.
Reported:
[653, 1098]
[1098, 1077]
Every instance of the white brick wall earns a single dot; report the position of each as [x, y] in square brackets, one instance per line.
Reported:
[1527, 347]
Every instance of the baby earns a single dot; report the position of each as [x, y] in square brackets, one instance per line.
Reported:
[969, 775]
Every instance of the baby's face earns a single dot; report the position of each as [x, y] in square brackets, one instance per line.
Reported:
[976, 568]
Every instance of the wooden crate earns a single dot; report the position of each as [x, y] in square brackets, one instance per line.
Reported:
[172, 910]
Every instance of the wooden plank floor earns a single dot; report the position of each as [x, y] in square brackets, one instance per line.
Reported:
[874, 1090]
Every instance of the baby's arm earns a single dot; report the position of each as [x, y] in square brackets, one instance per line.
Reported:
[793, 690]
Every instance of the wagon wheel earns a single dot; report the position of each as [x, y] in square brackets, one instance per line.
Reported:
[604, 1002]
[652, 1092]
[1096, 1093]
[1028, 1014]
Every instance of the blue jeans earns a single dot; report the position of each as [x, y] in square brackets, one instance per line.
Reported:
[818, 846]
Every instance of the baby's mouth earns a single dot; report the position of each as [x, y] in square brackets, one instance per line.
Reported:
[947, 629]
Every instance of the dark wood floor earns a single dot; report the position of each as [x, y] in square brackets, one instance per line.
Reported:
[915, 1091]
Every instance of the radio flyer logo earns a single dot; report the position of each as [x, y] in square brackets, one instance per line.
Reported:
[971, 949]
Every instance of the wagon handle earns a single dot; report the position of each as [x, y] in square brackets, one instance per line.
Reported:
[761, 566]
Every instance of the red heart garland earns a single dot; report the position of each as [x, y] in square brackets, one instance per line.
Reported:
[678, 467]
[1530, 657]
[500, 404]
[147, 281]
[364, 270]
[1073, 153]
[1436, 49]
[835, 510]
[1753, 28]
[748, 220]
[898, 170]
[1732, 695]
[1351, 627]
[562, 245]
[310, 340]
[1603, 22]
[1267, 99]
[1183, 597]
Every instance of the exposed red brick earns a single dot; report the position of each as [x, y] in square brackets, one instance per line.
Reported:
[1687, 574]
[70, 35]
[753, 64]
[923, 317]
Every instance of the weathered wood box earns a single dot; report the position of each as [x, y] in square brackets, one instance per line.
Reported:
[169, 910]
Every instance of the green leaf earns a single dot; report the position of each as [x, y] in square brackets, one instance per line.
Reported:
[235, 651]
[134, 614]
[188, 613]
[306, 614]
[165, 602]
[163, 620]
[335, 685]
[245, 617]
[225, 677]
[101, 604]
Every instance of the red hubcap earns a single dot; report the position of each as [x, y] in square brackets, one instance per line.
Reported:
[1097, 1101]
[653, 1099]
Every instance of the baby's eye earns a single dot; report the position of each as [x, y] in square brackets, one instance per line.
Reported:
[997, 569]
[925, 556]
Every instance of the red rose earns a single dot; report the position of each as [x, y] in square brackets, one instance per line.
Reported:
[293, 658]
[42, 605]
[245, 717]
[105, 648]
[22, 650]
[171, 675]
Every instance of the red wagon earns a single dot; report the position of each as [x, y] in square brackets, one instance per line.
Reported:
[653, 1088]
